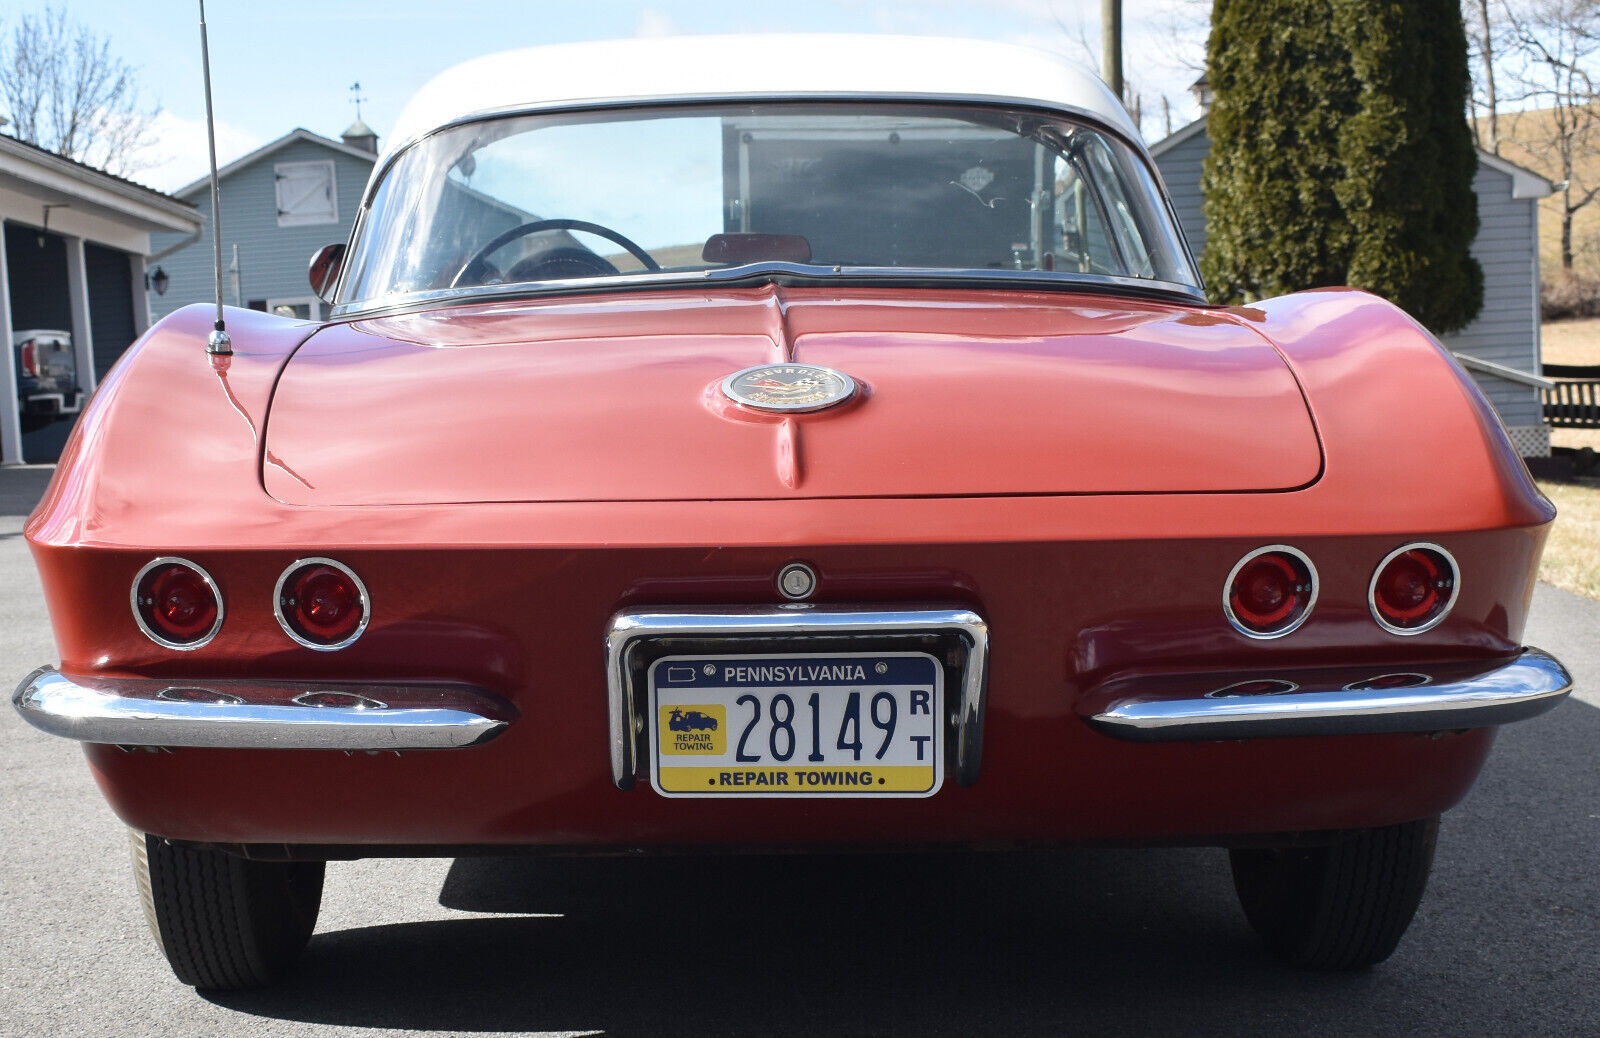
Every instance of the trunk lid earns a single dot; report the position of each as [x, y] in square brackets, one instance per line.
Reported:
[618, 398]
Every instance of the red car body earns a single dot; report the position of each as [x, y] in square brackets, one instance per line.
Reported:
[1089, 556]
[1048, 485]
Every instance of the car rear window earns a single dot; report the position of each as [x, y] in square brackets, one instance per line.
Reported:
[665, 193]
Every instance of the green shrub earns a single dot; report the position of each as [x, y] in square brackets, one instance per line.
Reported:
[1340, 154]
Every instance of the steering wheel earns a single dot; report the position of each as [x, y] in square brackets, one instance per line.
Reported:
[474, 269]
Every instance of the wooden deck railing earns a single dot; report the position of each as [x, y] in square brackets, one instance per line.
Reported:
[1574, 401]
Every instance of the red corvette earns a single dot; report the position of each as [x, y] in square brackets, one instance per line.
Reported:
[825, 442]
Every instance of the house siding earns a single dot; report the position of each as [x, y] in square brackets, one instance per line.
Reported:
[1180, 168]
[1506, 331]
[272, 260]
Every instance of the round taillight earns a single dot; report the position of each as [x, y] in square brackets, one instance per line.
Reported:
[176, 603]
[1413, 588]
[321, 604]
[1270, 591]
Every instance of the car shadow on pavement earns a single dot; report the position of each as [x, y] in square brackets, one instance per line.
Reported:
[1046, 942]
[996, 943]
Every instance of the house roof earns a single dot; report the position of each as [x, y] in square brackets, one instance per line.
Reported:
[1525, 183]
[1177, 137]
[297, 134]
[756, 66]
[38, 173]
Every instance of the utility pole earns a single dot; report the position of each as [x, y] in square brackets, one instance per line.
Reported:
[1111, 44]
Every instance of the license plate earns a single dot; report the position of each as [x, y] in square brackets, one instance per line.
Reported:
[797, 725]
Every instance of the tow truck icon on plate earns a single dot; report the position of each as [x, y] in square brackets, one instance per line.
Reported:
[691, 721]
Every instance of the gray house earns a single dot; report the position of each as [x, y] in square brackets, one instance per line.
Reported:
[1500, 348]
[280, 203]
[73, 246]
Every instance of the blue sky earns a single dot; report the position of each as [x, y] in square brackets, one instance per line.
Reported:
[286, 63]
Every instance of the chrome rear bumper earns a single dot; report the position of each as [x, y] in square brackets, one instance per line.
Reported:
[1159, 708]
[242, 714]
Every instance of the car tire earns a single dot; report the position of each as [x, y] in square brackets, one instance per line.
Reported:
[225, 922]
[1342, 906]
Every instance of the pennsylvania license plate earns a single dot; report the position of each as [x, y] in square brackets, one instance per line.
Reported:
[797, 725]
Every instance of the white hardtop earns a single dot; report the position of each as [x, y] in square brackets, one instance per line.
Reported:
[755, 66]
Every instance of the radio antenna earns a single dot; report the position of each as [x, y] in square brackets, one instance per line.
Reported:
[217, 342]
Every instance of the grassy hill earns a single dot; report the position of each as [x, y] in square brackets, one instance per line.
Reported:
[1525, 140]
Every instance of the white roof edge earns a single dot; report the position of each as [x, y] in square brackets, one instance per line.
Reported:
[299, 133]
[154, 210]
[1177, 137]
[1525, 183]
[733, 66]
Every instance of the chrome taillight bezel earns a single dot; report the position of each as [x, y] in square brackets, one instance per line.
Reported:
[1291, 625]
[288, 628]
[1444, 611]
[151, 633]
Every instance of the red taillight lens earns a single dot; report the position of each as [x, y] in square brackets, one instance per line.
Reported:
[30, 358]
[1413, 588]
[176, 604]
[322, 604]
[1270, 591]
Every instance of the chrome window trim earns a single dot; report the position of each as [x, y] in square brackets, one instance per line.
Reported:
[277, 603]
[1450, 603]
[133, 601]
[1293, 625]
[249, 714]
[630, 628]
[1035, 106]
[1526, 686]
[1016, 280]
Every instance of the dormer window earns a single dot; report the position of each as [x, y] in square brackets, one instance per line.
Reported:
[307, 193]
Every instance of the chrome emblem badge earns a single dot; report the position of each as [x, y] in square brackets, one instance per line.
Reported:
[788, 388]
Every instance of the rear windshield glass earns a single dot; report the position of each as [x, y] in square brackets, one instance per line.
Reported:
[653, 193]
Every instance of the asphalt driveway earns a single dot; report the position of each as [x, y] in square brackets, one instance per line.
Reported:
[1041, 942]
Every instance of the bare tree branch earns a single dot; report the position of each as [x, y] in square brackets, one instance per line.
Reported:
[64, 90]
[1552, 53]
[1484, 36]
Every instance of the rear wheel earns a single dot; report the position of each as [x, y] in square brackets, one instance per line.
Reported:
[1341, 906]
[222, 921]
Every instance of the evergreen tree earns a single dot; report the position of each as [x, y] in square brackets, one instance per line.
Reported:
[1278, 75]
[1409, 160]
[1340, 153]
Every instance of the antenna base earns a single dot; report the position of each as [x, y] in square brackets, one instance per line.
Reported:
[218, 342]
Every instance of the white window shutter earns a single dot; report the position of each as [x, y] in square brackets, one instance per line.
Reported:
[307, 193]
